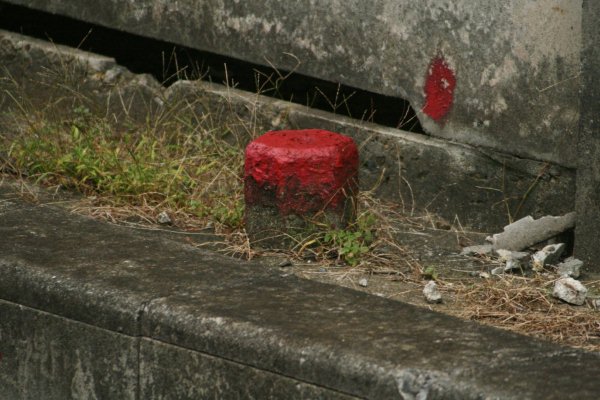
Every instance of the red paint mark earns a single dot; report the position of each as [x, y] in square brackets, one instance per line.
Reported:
[439, 89]
[300, 170]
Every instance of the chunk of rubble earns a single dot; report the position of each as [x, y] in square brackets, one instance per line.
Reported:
[570, 290]
[514, 260]
[548, 255]
[164, 219]
[363, 282]
[477, 250]
[527, 231]
[497, 271]
[506, 255]
[570, 267]
[513, 264]
[431, 293]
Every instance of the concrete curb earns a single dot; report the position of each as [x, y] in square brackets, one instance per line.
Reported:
[94, 310]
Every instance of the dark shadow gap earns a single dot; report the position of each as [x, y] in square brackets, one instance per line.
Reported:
[168, 62]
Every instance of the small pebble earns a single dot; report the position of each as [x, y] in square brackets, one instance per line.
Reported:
[431, 293]
[570, 290]
[482, 249]
[363, 282]
[163, 218]
[570, 267]
[285, 263]
[497, 271]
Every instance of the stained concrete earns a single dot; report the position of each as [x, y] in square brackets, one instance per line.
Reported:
[216, 311]
[588, 172]
[171, 372]
[480, 188]
[45, 356]
[516, 62]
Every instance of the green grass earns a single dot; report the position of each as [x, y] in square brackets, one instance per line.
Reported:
[175, 167]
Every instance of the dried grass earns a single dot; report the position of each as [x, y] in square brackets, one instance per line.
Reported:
[525, 305]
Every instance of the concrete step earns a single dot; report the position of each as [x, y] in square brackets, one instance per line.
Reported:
[92, 310]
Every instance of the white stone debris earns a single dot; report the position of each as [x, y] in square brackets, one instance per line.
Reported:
[505, 255]
[477, 250]
[431, 293]
[527, 231]
[570, 267]
[514, 260]
[570, 290]
[548, 255]
[497, 271]
[513, 264]
[363, 282]
[163, 218]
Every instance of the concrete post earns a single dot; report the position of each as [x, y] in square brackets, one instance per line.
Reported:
[587, 246]
[294, 179]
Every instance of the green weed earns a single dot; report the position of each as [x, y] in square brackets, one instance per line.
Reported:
[191, 172]
[352, 244]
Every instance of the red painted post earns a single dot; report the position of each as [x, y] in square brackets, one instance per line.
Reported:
[295, 178]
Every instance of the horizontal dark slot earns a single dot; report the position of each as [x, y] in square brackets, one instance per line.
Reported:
[168, 62]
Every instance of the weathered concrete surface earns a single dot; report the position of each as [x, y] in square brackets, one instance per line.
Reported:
[527, 231]
[588, 171]
[515, 63]
[219, 311]
[45, 356]
[481, 188]
[171, 372]
[36, 75]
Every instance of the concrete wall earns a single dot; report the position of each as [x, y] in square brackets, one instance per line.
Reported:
[588, 171]
[504, 74]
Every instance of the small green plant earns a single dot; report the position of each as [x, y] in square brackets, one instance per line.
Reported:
[430, 273]
[353, 243]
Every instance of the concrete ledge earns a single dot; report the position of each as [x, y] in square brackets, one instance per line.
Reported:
[90, 309]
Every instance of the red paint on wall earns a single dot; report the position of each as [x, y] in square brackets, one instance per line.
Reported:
[439, 89]
[300, 171]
